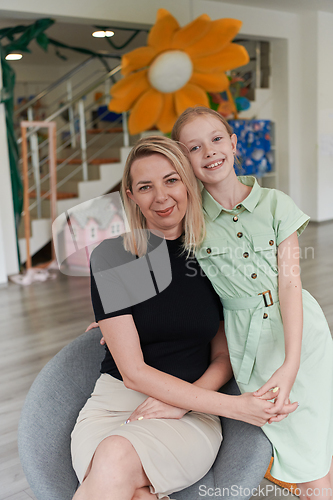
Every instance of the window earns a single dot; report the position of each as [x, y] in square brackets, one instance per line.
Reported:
[93, 233]
[115, 228]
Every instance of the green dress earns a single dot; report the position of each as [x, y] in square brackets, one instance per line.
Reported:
[239, 256]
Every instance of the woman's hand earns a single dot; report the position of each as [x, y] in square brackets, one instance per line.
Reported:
[153, 408]
[283, 379]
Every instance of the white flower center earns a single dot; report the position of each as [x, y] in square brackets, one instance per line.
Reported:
[170, 71]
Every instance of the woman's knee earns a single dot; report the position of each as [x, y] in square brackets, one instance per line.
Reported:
[113, 449]
[116, 458]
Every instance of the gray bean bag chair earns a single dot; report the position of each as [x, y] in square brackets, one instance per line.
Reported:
[52, 406]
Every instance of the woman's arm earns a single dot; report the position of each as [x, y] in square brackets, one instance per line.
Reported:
[216, 375]
[290, 297]
[123, 341]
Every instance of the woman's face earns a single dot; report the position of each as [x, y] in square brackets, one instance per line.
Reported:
[210, 149]
[158, 190]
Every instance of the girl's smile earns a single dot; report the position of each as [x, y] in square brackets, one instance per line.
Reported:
[215, 165]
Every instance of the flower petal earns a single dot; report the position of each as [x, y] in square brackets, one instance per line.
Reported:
[145, 112]
[130, 83]
[190, 33]
[210, 82]
[232, 56]
[161, 34]
[188, 96]
[119, 104]
[127, 90]
[168, 115]
[137, 59]
[221, 32]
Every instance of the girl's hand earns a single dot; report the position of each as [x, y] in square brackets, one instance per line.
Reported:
[283, 379]
[254, 410]
[153, 408]
[91, 326]
[281, 416]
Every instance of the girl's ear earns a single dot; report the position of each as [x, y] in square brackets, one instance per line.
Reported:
[233, 139]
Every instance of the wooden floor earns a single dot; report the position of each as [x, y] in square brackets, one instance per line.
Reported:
[38, 320]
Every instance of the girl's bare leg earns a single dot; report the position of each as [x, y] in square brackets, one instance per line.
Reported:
[116, 472]
[321, 489]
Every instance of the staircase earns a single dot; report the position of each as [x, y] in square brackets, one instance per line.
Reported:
[91, 152]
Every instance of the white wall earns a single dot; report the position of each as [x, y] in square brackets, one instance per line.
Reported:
[120, 12]
[8, 250]
[309, 123]
[324, 75]
[3, 267]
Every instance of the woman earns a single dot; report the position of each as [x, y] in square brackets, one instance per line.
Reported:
[171, 348]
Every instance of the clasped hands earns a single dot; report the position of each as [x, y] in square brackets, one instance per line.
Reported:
[256, 410]
[268, 404]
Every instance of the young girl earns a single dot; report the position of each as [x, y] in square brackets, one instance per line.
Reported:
[277, 334]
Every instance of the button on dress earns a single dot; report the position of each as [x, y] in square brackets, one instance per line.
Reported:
[242, 266]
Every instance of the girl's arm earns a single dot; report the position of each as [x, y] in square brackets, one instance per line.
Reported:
[290, 297]
[123, 341]
[219, 371]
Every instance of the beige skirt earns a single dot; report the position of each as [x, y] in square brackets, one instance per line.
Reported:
[174, 453]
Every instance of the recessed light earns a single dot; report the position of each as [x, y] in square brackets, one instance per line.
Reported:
[102, 34]
[14, 57]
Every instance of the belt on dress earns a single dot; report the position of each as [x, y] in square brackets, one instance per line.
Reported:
[259, 302]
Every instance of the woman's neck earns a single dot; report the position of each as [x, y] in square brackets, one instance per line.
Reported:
[169, 234]
[229, 192]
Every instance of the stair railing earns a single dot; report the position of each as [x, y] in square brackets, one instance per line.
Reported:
[77, 109]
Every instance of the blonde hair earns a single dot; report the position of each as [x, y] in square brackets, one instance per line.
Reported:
[190, 114]
[136, 240]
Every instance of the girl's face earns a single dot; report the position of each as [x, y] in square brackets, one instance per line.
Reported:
[159, 192]
[210, 149]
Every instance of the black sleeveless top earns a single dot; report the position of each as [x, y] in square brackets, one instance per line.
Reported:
[175, 326]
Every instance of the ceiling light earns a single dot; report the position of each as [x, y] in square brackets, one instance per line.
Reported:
[14, 57]
[102, 34]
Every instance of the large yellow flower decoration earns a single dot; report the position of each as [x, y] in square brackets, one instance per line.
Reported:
[176, 70]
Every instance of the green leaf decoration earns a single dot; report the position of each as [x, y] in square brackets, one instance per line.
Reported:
[43, 41]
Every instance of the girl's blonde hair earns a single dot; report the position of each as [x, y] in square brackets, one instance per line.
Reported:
[136, 240]
[190, 114]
